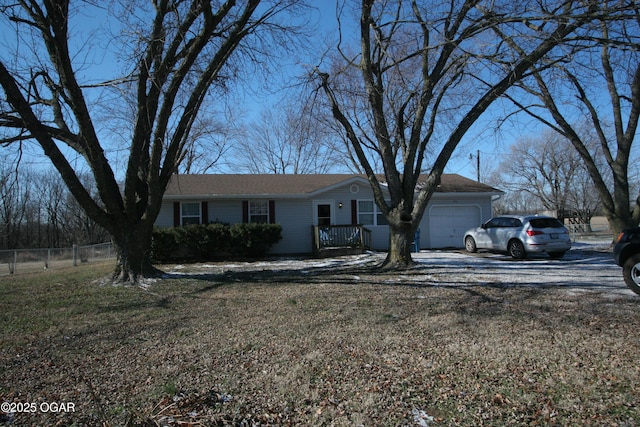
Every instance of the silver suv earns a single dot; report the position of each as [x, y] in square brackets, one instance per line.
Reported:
[520, 234]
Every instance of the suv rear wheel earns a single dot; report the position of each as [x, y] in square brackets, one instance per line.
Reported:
[516, 249]
[631, 273]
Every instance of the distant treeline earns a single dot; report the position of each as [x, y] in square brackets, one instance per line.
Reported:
[37, 211]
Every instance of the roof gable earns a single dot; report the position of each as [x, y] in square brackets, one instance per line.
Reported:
[291, 185]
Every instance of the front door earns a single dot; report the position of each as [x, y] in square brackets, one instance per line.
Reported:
[322, 213]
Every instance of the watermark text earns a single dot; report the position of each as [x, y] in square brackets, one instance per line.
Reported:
[33, 407]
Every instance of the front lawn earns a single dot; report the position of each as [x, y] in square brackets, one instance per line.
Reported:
[339, 345]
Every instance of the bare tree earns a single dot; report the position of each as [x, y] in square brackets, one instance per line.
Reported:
[50, 195]
[598, 83]
[512, 202]
[287, 140]
[15, 197]
[423, 74]
[208, 143]
[548, 170]
[180, 53]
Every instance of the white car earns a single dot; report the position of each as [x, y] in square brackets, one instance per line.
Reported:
[520, 234]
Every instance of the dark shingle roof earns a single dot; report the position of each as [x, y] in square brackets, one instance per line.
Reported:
[453, 183]
[290, 184]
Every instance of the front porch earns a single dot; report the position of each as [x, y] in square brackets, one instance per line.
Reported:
[340, 239]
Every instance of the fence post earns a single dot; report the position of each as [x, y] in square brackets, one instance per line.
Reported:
[12, 270]
[75, 255]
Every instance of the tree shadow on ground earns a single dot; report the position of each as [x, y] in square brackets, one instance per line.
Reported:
[441, 273]
[472, 288]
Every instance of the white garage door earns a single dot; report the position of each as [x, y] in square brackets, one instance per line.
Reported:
[448, 224]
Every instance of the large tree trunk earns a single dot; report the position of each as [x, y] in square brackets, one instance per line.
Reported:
[619, 209]
[177, 59]
[401, 234]
[619, 223]
[133, 251]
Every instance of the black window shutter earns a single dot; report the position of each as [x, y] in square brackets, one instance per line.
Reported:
[245, 211]
[205, 212]
[272, 211]
[354, 212]
[176, 214]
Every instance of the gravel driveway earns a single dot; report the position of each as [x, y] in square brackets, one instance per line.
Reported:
[587, 267]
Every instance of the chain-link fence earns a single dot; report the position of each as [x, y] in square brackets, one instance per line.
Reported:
[598, 228]
[30, 260]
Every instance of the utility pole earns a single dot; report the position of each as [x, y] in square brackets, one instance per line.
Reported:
[477, 163]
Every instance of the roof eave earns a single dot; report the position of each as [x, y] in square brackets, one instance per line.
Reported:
[468, 193]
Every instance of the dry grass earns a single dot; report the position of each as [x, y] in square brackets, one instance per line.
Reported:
[322, 348]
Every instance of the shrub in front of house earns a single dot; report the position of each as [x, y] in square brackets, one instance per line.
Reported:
[204, 242]
[254, 240]
[210, 241]
[164, 244]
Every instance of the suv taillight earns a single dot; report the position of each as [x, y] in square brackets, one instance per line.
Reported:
[534, 232]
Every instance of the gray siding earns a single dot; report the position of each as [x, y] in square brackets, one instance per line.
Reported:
[295, 218]
[165, 217]
[296, 215]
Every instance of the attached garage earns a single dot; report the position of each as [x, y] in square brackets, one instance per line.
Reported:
[449, 222]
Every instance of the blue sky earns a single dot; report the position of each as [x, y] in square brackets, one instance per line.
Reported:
[491, 145]
[100, 64]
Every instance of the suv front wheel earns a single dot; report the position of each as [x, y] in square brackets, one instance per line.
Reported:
[631, 273]
[470, 244]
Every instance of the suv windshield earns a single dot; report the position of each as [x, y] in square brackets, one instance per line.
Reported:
[545, 223]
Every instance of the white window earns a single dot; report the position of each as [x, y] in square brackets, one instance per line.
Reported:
[190, 213]
[369, 214]
[259, 211]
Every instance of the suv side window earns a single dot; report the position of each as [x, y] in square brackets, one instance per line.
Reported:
[503, 222]
[506, 222]
[514, 222]
[495, 222]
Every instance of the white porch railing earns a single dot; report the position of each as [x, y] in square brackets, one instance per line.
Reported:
[341, 236]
